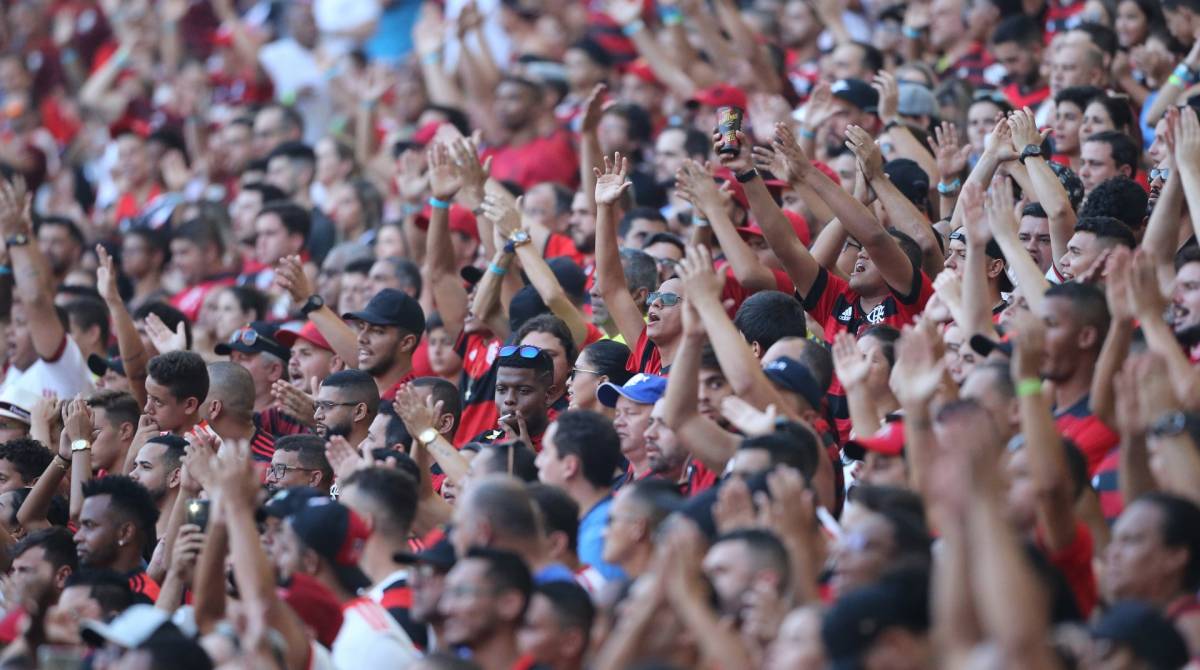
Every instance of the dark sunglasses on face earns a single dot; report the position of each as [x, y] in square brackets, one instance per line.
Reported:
[668, 299]
[524, 351]
[1157, 173]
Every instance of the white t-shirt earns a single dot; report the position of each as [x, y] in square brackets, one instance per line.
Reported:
[371, 638]
[338, 16]
[66, 377]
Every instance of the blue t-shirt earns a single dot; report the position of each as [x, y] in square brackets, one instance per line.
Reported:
[591, 540]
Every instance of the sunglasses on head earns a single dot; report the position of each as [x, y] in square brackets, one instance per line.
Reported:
[668, 299]
[522, 350]
[247, 336]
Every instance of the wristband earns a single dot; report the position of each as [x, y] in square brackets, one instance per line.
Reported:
[911, 33]
[1185, 73]
[1029, 387]
[747, 176]
[951, 188]
[1177, 81]
[808, 134]
[496, 269]
[699, 221]
[5, 270]
[633, 28]
[670, 15]
[509, 248]
[438, 204]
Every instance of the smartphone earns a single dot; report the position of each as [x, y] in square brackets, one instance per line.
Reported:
[197, 512]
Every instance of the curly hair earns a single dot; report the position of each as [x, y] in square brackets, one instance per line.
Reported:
[28, 456]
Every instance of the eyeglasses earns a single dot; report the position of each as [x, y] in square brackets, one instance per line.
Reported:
[523, 350]
[666, 262]
[1157, 173]
[326, 405]
[590, 372]
[668, 299]
[247, 336]
[279, 470]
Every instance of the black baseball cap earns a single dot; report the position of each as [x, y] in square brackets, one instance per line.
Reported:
[994, 252]
[337, 534]
[858, 93]
[286, 502]
[792, 375]
[1145, 631]
[570, 276]
[100, 365]
[854, 622]
[390, 307]
[256, 338]
[440, 555]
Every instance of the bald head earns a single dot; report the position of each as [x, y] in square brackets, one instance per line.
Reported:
[232, 385]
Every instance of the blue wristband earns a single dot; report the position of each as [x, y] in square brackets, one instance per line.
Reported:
[1185, 73]
[5, 270]
[911, 33]
[808, 134]
[496, 269]
[670, 15]
[633, 28]
[438, 204]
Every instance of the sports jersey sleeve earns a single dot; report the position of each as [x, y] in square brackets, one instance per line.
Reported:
[822, 298]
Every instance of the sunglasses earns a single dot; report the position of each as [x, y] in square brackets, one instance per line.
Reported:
[668, 299]
[247, 336]
[524, 351]
[1157, 173]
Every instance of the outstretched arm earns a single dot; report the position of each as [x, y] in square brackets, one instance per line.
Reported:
[34, 280]
[1046, 187]
[610, 277]
[134, 356]
[290, 275]
[699, 434]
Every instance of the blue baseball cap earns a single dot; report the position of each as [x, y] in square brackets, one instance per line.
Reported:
[792, 375]
[641, 388]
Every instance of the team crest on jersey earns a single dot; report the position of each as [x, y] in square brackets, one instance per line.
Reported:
[876, 315]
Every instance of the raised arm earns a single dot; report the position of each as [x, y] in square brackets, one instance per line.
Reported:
[1102, 399]
[419, 416]
[1161, 238]
[445, 181]
[917, 376]
[134, 356]
[289, 274]
[628, 13]
[977, 309]
[998, 207]
[1047, 188]
[852, 368]
[34, 281]
[1187, 159]
[589, 145]
[1178, 452]
[1044, 447]
[696, 185]
[701, 436]
[508, 221]
[1149, 305]
[902, 213]
[610, 277]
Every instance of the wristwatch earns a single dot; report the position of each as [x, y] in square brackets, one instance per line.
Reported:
[1168, 425]
[80, 445]
[1030, 151]
[311, 305]
[18, 240]
[746, 176]
[427, 436]
[519, 238]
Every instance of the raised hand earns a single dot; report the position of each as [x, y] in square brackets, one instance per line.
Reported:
[998, 208]
[445, 176]
[14, 208]
[504, 215]
[696, 271]
[737, 162]
[790, 153]
[613, 182]
[418, 414]
[998, 143]
[918, 370]
[163, 338]
[106, 276]
[290, 276]
[951, 156]
[1022, 130]
[412, 178]
[747, 418]
[870, 157]
[695, 185]
[852, 366]
[344, 459]
[889, 95]
[235, 475]
[820, 107]
[200, 460]
[1187, 139]
[972, 199]
[1117, 285]
[1146, 294]
[294, 402]
[187, 547]
[474, 174]
[78, 423]
[734, 509]
[593, 106]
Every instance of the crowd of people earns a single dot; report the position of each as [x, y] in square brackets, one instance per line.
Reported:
[782, 334]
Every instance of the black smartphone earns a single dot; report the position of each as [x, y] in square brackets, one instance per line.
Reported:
[197, 512]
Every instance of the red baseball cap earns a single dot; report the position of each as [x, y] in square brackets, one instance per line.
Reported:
[724, 174]
[888, 440]
[316, 606]
[308, 332]
[720, 95]
[424, 134]
[461, 221]
[641, 69]
[799, 225]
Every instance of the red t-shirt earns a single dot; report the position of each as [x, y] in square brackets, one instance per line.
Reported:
[190, 300]
[1075, 563]
[561, 245]
[140, 582]
[594, 335]
[699, 478]
[645, 357]
[734, 294]
[545, 159]
[1088, 433]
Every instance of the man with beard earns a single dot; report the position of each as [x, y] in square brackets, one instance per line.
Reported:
[1017, 45]
[158, 467]
[299, 460]
[116, 526]
[1185, 301]
[346, 404]
[487, 626]
[523, 155]
[666, 456]
[389, 330]
[61, 242]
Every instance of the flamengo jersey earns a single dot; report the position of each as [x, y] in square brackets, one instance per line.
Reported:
[371, 638]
